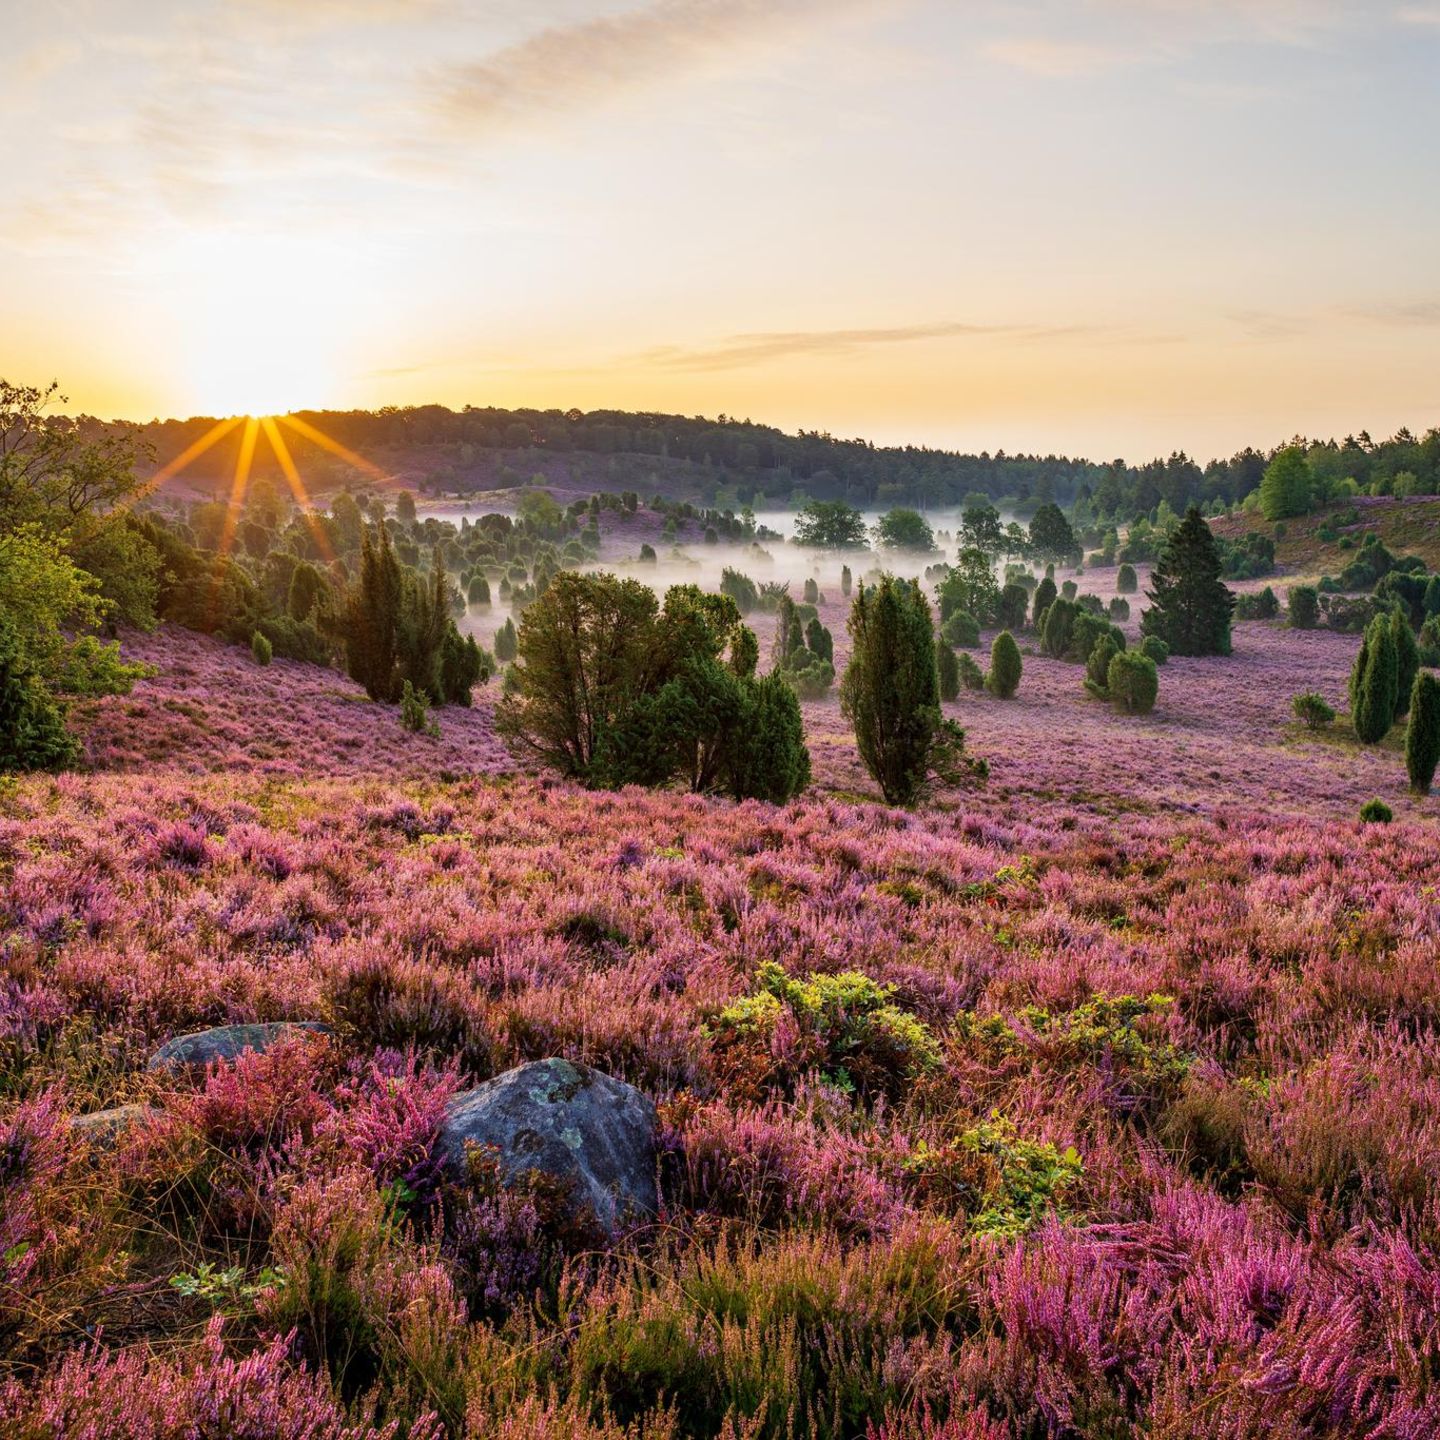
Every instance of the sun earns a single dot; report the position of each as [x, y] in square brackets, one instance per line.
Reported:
[262, 322]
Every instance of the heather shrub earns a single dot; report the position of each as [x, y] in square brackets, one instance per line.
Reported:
[1132, 683]
[1304, 606]
[1376, 812]
[774, 1166]
[1005, 666]
[261, 649]
[1312, 711]
[1422, 734]
[382, 1002]
[195, 1391]
[766, 1332]
[845, 1026]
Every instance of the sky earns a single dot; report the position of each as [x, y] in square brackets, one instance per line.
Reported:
[1098, 227]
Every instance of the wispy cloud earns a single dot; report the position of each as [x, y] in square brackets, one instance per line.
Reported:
[569, 67]
[1418, 15]
[738, 351]
[1407, 314]
[1041, 55]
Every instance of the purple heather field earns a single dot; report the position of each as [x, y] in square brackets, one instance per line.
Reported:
[1099, 1099]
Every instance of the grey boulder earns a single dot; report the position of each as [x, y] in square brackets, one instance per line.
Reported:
[104, 1128]
[568, 1121]
[225, 1042]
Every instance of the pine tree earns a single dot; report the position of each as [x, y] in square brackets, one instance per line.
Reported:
[1285, 486]
[1422, 735]
[1373, 688]
[891, 689]
[1190, 607]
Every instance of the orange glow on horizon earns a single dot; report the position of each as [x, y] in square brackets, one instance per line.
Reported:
[311, 432]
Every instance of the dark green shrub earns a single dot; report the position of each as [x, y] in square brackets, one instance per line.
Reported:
[1261, 606]
[415, 711]
[1005, 666]
[1312, 711]
[479, 591]
[812, 591]
[1304, 607]
[1422, 734]
[1132, 682]
[1069, 590]
[261, 649]
[1373, 681]
[1407, 660]
[32, 724]
[961, 629]
[1044, 598]
[506, 642]
[1097, 667]
[1119, 609]
[1059, 628]
[1376, 812]
[972, 677]
[1011, 608]
[1154, 648]
[1125, 580]
[949, 667]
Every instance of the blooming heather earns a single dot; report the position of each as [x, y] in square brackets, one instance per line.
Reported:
[1156, 1155]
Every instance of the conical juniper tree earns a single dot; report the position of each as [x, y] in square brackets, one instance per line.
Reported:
[1373, 683]
[1190, 606]
[891, 692]
[1422, 735]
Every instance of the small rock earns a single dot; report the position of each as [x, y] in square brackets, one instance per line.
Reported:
[103, 1128]
[569, 1121]
[225, 1042]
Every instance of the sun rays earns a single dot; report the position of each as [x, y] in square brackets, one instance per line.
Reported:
[268, 427]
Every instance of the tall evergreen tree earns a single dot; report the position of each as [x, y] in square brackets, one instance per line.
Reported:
[1373, 683]
[1190, 606]
[373, 616]
[1407, 660]
[891, 689]
[1051, 537]
[1045, 593]
[1422, 735]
